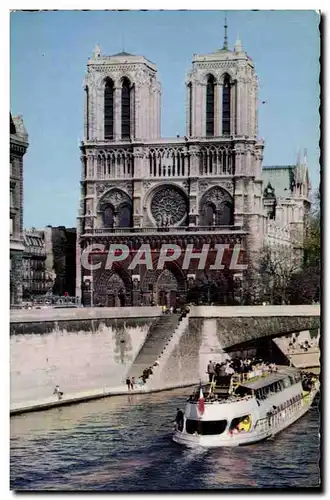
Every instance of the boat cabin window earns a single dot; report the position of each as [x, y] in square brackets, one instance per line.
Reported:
[206, 427]
[286, 382]
[241, 424]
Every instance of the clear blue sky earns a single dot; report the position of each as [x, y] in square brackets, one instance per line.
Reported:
[49, 52]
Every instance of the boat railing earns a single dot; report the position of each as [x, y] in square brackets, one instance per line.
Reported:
[259, 372]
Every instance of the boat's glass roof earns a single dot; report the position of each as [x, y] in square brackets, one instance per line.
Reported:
[270, 379]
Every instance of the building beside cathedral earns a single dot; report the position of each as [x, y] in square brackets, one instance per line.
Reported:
[18, 146]
[207, 187]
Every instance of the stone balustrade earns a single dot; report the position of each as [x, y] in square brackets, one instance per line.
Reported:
[173, 229]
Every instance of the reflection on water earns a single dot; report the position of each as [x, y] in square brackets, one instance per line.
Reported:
[124, 444]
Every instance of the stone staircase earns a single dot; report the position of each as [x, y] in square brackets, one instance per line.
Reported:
[156, 340]
[157, 377]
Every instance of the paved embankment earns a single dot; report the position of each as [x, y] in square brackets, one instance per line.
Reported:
[81, 397]
[82, 313]
[85, 313]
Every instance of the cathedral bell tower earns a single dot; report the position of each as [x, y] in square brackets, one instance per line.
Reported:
[221, 92]
[222, 115]
[122, 98]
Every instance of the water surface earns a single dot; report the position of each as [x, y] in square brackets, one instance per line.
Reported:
[124, 444]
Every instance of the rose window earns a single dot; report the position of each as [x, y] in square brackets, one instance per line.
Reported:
[168, 207]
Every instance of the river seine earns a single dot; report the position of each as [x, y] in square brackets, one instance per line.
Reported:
[124, 444]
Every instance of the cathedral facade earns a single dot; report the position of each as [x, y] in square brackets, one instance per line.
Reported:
[205, 188]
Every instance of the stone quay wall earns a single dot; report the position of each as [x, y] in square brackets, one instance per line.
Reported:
[77, 354]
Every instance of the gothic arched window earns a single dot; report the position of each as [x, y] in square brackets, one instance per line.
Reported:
[226, 105]
[126, 109]
[190, 108]
[226, 215]
[210, 101]
[87, 112]
[125, 216]
[108, 216]
[108, 109]
[209, 216]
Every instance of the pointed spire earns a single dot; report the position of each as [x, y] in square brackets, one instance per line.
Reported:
[238, 47]
[225, 40]
[97, 51]
[298, 157]
[305, 160]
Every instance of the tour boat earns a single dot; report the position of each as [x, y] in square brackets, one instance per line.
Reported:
[243, 409]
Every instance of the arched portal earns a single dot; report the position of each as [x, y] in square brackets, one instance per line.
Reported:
[115, 291]
[113, 288]
[167, 289]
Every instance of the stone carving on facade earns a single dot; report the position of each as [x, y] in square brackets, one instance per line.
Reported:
[88, 222]
[90, 189]
[168, 206]
[111, 68]
[101, 188]
[227, 185]
[193, 206]
[216, 65]
[216, 195]
[114, 197]
[146, 185]
[125, 186]
[203, 186]
[193, 185]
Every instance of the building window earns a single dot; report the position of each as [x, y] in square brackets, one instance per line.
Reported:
[226, 106]
[87, 112]
[126, 109]
[11, 199]
[108, 216]
[210, 101]
[11, 227]
[125, 216]
[108, 109]
[190, 108]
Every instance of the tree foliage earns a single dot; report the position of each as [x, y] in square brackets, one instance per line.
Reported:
[275, 268]
[283, 277]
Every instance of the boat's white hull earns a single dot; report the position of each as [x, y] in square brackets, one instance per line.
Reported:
[246, 438]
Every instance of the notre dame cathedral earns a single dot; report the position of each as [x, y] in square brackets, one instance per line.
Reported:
[206, 187]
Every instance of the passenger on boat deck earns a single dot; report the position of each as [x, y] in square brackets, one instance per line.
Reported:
[210, 370]
[132, 383]
[244, 425]
[128, 383]
[229, 369]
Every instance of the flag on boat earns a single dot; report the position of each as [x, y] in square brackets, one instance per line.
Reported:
[201, 401]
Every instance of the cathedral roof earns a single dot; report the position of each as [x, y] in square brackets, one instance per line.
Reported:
[122, 54]
[280, 177]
